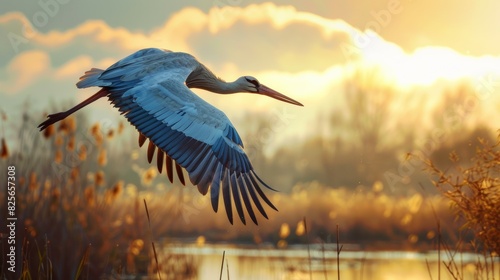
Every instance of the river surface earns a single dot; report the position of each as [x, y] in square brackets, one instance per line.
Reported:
[181, 261]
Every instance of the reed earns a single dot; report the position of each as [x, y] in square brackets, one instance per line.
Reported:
[473, 190]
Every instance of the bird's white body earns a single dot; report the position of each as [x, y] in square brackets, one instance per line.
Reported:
[151, 89]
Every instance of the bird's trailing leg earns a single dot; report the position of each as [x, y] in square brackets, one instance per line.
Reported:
[53, 118]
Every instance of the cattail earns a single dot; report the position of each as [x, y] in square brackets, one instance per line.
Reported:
[257, 239]
[131, 190]
[301, 229]
[117, 188]
[47, 183]
[129, 220]
[33, 184]
[282, 244]
[28, 222]
[82, 153]
[74, 173]
[413, 238]
[378, 187]
[120, 127]
[407, 218]
[148, 176]
[113, 193]
[70, 146]
[4, 153]
[71, 123]
[56, 194]
[59, 140]
[110, 134]
[54, 199]
[89, 195]
[136, 247]
[82, 218]
[22, 180]
[95, 130]
[63, 126]
[284, 231]
[49, 131]
[32, 231]
[99, 178]
[66, 205]
[58, 157]
[102, 158]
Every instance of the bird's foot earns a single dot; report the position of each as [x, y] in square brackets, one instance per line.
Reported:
[53, 118]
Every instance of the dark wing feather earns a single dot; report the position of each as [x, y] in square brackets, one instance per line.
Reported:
[151, 151]
[159, 160]
[168, 166]
[142, 139]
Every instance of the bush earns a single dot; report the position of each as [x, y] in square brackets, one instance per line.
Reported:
[474, 191]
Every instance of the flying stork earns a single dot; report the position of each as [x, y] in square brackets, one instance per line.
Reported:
[151, 88]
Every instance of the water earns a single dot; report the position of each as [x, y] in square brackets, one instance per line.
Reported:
[181, 261]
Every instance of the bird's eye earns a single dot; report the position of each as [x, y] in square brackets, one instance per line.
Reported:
[253, 81]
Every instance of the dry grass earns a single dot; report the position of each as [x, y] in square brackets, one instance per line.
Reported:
[83, 218]
[473, 188]
[68, 226]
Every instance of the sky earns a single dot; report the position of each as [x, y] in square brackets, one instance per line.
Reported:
[305, 50]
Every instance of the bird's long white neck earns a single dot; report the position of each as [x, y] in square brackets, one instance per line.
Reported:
[205, 79]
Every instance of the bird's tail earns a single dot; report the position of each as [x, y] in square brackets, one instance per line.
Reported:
[90, 78]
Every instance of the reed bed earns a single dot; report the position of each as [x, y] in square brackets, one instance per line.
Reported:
[80, 204]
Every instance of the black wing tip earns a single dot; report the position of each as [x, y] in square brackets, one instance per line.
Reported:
[246, 184]
[229, 213]
[262, 182]
[255, 184]
[180, 174]
[142, 139]
[151, 151]
[215, 207]
[159, 160]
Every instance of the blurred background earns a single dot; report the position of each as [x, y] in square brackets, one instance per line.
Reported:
[386, 86]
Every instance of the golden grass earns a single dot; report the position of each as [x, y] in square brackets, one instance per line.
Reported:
[71, 230]
[84, 221]
[474, 192]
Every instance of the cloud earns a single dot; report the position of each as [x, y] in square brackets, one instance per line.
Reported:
[24, 70]
[276, 16]
[177, 30]
[300, 54]
[172, 34]
[74, 67]
[326, 42]
[77, 66]
[13, 17]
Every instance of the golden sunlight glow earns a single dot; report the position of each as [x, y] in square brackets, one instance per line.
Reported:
[284, 231]
[374, 96]
[200, 241]
[301, 229]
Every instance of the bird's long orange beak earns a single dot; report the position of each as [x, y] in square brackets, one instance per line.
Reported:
[264, 90]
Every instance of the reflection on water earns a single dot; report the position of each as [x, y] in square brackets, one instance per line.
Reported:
[267, 262]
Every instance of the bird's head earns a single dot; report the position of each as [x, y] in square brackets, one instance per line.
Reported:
[251, 85]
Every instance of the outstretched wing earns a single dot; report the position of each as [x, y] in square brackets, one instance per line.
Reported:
[148, 88]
